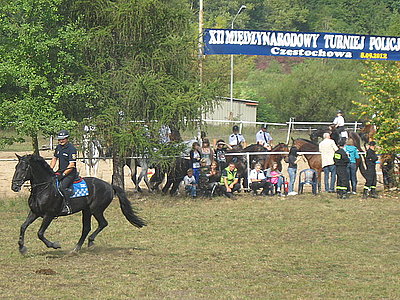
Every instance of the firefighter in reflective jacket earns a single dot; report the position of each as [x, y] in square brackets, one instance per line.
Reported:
[370, 160]
[341, 161]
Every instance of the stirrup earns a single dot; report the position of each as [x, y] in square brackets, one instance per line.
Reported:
[66, 210]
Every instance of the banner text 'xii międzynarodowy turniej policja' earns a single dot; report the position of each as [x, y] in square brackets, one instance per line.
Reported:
[300, 44]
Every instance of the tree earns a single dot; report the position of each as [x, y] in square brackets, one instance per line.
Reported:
[381, 83]
[40, 66]
[142, 61]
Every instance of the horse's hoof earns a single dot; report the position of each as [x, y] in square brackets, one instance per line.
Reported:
[23, 250]
[73, 252]
[56, 246]
[91, 244]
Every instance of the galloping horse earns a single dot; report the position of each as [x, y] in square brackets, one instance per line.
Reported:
[45, 201]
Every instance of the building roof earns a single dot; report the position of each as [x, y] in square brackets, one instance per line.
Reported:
[247, 102]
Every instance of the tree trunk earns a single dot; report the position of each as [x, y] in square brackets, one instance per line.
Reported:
[35, 144]
[118, 170]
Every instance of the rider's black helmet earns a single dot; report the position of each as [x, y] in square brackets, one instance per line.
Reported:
[264, 126]
[63, 134]
[235, 128]
[340, 111]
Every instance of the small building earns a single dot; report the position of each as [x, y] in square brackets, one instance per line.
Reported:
[243, 110]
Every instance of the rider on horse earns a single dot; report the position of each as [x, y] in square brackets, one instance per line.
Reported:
[65, 153]
[338, 124]
[236, 139]
[264, 138]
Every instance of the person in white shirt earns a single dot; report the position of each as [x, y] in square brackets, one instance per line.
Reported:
[190, 183]
[258, 180]
[327, 148]
[338, 123]
[264, 138]
[236, 139]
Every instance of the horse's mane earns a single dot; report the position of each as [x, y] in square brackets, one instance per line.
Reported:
[41, 161]
[309, 145]
[277, 146]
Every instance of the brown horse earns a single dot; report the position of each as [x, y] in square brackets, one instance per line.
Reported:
[314, 160]
[271, 158]
[367, 133]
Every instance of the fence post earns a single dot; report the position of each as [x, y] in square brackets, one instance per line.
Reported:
[355, 126]
[51, 142]
[240, 127]
[288, 133]
[248, 169]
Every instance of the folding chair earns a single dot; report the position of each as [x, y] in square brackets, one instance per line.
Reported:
[308, 176]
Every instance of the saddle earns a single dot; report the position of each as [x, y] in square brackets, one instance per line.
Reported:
[77, 189]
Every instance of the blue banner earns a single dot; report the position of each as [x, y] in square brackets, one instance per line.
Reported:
[301, 44]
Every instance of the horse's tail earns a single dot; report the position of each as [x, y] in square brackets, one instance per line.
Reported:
[126, 208]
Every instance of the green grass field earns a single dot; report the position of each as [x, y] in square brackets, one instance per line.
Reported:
[304, 247]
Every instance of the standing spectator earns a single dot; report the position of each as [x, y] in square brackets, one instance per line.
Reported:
[258, 180]
[195, 157]
[370, 160]
[353, 154]
[292, 169]
[264, 138]
[275, 177]
[230, 180]
[236, 139]
[206, 152]
[220, 157]
[214, 178]
[341, 161]
[327, 148]
[190, 183]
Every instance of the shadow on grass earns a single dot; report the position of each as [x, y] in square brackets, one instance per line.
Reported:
[96, 250]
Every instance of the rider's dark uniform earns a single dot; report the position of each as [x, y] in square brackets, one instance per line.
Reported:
[66, 154]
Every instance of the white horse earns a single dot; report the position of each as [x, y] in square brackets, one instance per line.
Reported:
[92, 151]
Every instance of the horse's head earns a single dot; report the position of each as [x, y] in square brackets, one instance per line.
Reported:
[22, 172]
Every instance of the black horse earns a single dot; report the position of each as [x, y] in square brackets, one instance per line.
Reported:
[45, 201]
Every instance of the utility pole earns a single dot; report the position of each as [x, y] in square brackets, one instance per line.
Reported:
[201, 21]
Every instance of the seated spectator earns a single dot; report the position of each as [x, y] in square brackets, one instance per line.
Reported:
[258, 180]
[230, 180]
[220, 157]
[215, 174]
[190, 183]
[274, 176]
[206, 152]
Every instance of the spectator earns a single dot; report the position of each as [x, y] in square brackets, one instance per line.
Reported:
[353, 154]
[215, 174]
[258, 180]
[220, 157]
[264, 138]
[206, 152]
[275, 177]
[195, 157]
[292, 169]
[190, 183]
[236, 139]
[370, 160]
[204, 176]
[327, 148]
[230, 180]
[341, 161]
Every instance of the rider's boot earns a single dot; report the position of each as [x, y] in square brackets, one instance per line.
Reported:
[66, 205]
